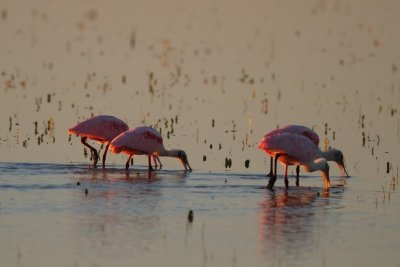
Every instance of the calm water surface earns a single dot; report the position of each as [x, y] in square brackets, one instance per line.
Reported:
[213, 77]
[129, 218]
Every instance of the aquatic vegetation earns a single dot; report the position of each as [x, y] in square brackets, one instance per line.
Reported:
[212, 79]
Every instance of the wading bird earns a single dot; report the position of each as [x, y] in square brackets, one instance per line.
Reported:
[295, 149]
[330, 155]
[145, 141]
[102, 128]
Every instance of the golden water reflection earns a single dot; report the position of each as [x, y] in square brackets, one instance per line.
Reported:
[121, 212]
[290, 221]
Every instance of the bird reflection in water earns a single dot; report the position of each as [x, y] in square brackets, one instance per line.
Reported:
[120, 202]
[129, 176]
[289, 221]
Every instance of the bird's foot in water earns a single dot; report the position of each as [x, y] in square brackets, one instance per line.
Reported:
[270, 186]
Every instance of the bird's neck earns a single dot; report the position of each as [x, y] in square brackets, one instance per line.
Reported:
[316, 165]
[168, 153]
[329, 155]
[320, 164]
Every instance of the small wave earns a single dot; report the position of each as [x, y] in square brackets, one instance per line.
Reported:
[26, 187]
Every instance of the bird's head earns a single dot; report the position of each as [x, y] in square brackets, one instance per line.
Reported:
[324, 167]
[339, 159]
[181, 155]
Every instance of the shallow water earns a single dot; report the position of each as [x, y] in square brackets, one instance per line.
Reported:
[130, 218]
[213, 77]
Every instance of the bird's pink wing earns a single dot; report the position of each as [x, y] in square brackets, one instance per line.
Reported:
[296, 146]
[263, 142]
[305, 131]
[141, 139]
[100, 128]
[312, 136]
[291, 129]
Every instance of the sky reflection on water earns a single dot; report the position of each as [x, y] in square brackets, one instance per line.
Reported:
[213, 78]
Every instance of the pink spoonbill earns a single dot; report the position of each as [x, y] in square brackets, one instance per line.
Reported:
[145, 141]
[330, 155]
[102, 128]
[295, 149]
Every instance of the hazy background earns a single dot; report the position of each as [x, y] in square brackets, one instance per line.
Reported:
[214, 77]
[248, 65]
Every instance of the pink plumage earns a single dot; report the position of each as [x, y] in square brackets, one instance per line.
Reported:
[297, 148]
[291, 129]
[144, 140]
[102, 128]
[295, 145]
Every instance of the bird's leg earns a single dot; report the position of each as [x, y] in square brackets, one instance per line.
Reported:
[297, 175]
[325, 176]
[127, 162]
[149, 160]
[274, 176]
[271, 173]
[92, 149]
[327, 183]
[184, 165]
[155, 162]
[158, 159]
[276, 162]
[276, 167]
[343, 170]
[105, 154]
[286, 178]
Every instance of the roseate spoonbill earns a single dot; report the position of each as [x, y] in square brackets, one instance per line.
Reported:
[102, 128]
[330, 155]
[295, 149]
[145, 141]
